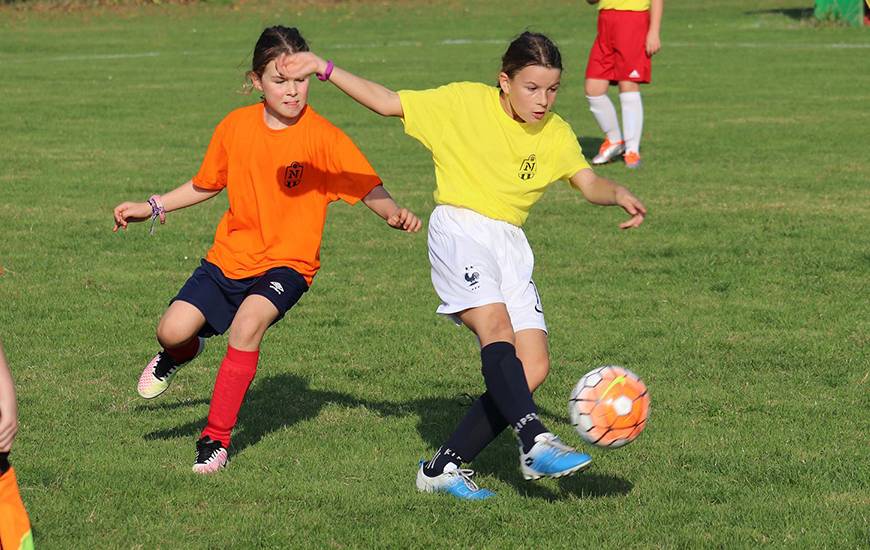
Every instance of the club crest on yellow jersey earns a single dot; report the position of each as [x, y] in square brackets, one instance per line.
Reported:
[528, 168]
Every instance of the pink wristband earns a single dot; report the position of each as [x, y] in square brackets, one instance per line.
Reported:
[326, 74]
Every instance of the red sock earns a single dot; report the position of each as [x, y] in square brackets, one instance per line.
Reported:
[185, 351]
[233, 379]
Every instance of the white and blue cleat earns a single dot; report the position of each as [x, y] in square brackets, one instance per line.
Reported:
[549, 457]
[453, 481]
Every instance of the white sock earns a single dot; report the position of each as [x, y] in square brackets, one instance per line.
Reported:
[632, 120]
[605, 113]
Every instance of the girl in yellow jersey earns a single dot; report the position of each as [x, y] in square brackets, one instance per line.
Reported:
[495, 149]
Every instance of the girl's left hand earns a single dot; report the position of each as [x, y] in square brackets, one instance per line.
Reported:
[653, 44]
[405, 220]
[632, 205]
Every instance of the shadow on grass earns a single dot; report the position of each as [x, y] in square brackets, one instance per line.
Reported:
[167, 406]
[271, 404]
[282, 400]
[590, 146]
[798, 14]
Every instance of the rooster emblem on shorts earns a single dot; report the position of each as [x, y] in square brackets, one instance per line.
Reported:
[472, 277]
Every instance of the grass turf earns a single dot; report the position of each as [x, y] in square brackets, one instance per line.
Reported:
[742, 301]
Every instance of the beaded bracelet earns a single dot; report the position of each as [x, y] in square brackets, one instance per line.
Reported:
[157, 211]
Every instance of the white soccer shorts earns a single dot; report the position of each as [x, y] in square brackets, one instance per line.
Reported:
[477, 261]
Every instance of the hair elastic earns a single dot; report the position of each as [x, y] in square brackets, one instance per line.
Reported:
[326, 73]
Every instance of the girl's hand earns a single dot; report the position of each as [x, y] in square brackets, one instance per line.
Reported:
[131, 212]
[405, 220]
[299, 65]
[653, 43]
[632, 205]
[8, 428]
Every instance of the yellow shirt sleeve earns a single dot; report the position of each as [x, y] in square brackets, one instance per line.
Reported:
[425, 112]
[570, 159]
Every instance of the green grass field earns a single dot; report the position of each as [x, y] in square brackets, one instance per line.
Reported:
[742, 301]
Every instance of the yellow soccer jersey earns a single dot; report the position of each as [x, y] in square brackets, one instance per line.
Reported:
[485, 160]
[626, 5]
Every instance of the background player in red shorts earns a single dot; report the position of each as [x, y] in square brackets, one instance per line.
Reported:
[628, 36]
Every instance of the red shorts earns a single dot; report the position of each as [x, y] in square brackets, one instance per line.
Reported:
[619, 51]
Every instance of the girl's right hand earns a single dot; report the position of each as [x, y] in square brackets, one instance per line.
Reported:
[131, 212]
[299, 65]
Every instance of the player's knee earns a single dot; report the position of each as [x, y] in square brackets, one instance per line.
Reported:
[499, 327]
[594, 89]
[171, 333]
[247, 331]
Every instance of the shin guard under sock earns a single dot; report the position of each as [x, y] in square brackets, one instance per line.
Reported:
[507, 385]
[233, 379]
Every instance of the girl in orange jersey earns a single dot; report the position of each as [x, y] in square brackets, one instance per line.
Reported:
[281, 164]
[14, 523]
[496, 150]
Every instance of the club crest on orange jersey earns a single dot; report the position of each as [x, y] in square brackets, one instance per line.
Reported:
[293, 174]
[528, 168]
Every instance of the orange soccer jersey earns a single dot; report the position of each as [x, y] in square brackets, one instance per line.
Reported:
[14, 524]
[279, 184]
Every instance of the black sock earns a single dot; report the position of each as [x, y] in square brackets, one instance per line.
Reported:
[4, 463]
[477, 429]
[506, 383]
[442, 458]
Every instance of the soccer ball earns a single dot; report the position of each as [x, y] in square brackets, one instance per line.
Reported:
[609, 406]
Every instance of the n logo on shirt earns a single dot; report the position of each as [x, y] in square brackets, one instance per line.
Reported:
[293, 174]
[528, 168]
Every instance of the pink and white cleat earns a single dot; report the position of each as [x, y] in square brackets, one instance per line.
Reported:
[158, 373]
[211, 456]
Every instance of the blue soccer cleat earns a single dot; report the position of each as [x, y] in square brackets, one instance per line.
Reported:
[549, 457]
[454, 481]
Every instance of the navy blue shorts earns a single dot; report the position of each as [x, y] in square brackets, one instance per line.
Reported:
[218, 297]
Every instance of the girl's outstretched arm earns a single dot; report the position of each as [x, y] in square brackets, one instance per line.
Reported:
[182, 196]
[381, 203]
[598, 190]
[376, 97]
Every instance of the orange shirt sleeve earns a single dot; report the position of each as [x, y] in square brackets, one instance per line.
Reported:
[351, 177]
[213, 172]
